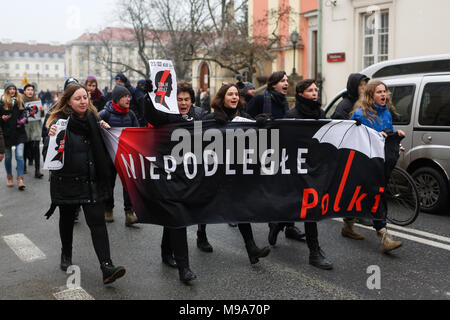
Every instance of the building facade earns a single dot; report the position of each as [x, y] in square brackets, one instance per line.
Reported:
[268, 19]
[359, 33]
[38, 63]
[99, 54]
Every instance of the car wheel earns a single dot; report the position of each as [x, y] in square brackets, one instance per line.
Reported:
[432, 188]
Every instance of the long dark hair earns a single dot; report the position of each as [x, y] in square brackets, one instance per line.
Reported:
[218, 102]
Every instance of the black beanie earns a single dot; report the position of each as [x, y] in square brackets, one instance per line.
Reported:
[119, 92]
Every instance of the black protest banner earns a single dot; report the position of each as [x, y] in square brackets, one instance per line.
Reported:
[288, 170]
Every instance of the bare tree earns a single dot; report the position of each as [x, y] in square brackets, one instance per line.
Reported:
[189, 30]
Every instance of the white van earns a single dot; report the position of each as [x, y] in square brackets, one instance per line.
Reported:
[420, 91]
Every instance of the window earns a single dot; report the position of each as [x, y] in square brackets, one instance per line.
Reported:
[27, 67]
[56, 67]
[435, 105]
[7, 66]
[333, 106]
[414, 67]
[17, 66]
[375, 38]
[37, 67]
[46, 67]
[402, 99]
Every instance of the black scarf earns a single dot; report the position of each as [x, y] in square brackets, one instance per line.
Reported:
[307, 108]
[230, 112]
[89, 127]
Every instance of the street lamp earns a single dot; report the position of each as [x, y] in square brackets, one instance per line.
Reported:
[294, 39]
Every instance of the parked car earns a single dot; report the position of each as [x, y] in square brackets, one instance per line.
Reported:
[420, 90]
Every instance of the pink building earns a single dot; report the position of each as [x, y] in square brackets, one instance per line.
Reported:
[282, 18]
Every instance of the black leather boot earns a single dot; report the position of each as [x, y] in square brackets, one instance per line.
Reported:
[292, 232]
[186, 274]
[254, 253]
[169, 260]
[274, 229]
[317, 256]
[66, 261]
[38, 174]
[202, 242]
[111, 273]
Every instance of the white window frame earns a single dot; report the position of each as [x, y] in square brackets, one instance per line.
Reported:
[377, 57]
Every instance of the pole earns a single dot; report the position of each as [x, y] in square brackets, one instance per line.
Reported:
[319, 50]
[294, 71]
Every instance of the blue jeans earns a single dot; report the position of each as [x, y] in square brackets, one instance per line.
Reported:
[19, 159]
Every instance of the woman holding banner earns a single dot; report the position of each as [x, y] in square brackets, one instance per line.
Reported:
[227, 105]
[273, 104]
[84, 177]
[308, 107]
[374, 109]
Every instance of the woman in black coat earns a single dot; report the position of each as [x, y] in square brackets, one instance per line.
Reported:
[227, 105]
[84, 178]
[12, 120]
[308, 107]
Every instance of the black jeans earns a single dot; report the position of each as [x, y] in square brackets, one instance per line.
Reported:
[31, 153]
[174, 240]
[109, 204]
[95, 218]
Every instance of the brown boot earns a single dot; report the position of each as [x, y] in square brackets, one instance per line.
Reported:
[20, 183]
[349, 232]
[130, 218]
[387, 244]
[10, 182]
[109, 217]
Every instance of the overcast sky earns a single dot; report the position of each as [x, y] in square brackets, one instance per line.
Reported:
[54, 20]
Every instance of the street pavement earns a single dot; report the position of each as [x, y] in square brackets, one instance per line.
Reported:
[30, 256]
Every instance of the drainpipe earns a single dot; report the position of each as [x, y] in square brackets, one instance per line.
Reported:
[319, 49]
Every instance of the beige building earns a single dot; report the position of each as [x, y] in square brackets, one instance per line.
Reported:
[39, 63]
[91, 53]
[358, 33]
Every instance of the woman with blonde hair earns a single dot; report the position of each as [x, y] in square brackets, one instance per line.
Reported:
[84, 178]
[12, 120]
[375, 109]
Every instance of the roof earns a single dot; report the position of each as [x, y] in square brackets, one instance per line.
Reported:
[117, 34]
[23, 47]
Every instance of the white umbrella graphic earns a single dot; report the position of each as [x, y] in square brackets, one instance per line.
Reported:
[346, 134]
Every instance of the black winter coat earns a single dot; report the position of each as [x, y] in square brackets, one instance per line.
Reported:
[2, 142]
[116, 119]
[12, 135]
[76, 182]
[345, 107]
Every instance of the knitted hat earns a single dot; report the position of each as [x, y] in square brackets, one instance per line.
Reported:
[119, 92]
[120, 76]
[247, 86]
[9, 84]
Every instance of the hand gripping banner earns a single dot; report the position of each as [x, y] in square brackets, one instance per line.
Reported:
[288, 170]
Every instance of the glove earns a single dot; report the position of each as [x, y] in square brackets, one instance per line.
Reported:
[358, 122]
[148, 87]
[389, 132]
[21, 122]
[261, 120]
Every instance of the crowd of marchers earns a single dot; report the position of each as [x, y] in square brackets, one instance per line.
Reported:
[87, 179]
